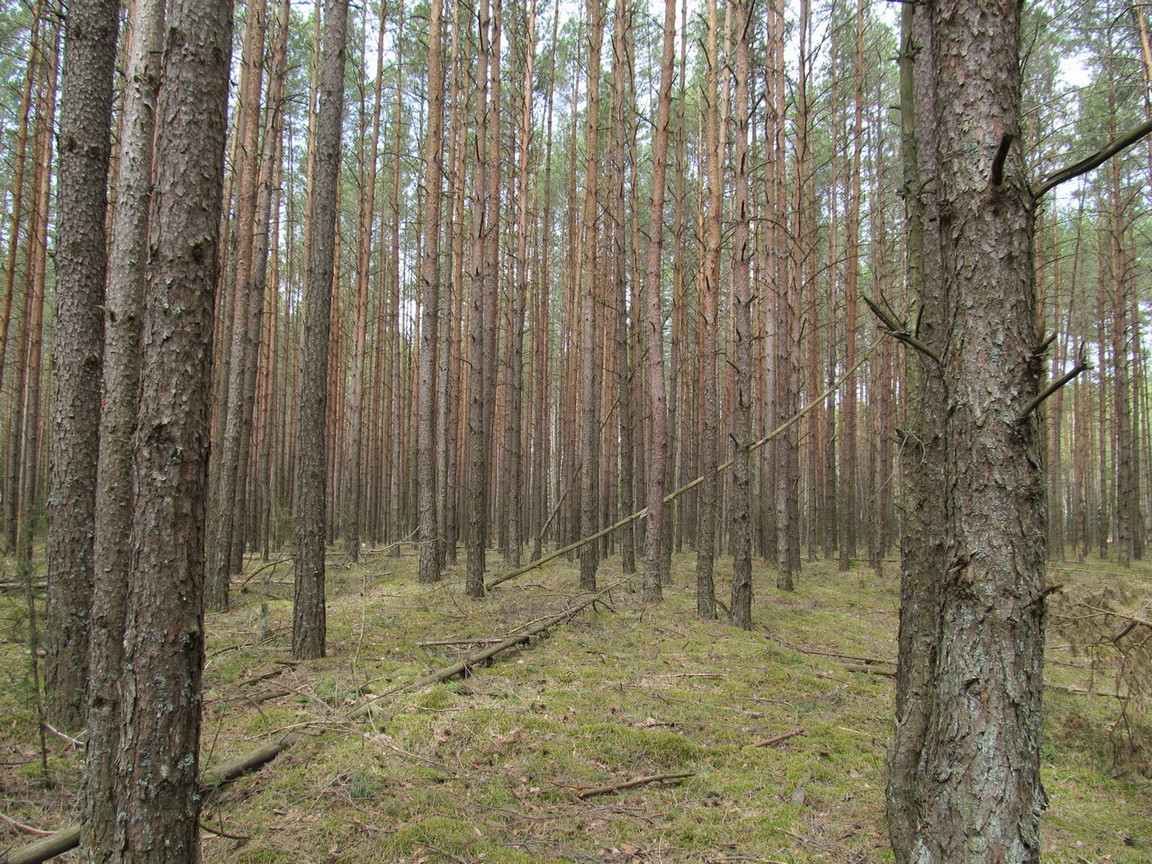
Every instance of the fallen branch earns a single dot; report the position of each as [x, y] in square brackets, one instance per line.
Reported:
[462, 667]
[783, 736]
[672, 496]
[1080, 691]
[23, 586]
[833, 654]
[49, 847]
[218, 776]
[450, 642]
[631, 784]
[270, 565]
[871, 670]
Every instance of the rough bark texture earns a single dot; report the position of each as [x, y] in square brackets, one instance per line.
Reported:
[741, 504]
[85, 116]
[590, 365]
[655, 540]
[226, 492]
[478, 358]
[128, 247]
[709, 306]
[426, 462]
[158, 758]
[309, 617]
[922, 549]
[976, 794]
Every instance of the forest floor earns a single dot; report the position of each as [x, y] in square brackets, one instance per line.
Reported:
[773, 740]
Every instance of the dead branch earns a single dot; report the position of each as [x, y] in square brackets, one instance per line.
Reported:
[783, 736]
[672, 496]
[20, 826]
[631, 784]
[214, 778]
[898, 330]
[1081, 366]
[49, 847]
[1097, 159]
[871, 670]
[1080, 691]
[475, 659]
[271, 565]
[833, 654]
[450, 642]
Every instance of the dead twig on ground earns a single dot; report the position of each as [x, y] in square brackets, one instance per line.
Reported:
[630, 784]
[783, 736]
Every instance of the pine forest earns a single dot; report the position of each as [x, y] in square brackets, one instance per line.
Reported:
[711, 311]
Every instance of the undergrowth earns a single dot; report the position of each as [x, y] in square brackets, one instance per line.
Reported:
[773, 740]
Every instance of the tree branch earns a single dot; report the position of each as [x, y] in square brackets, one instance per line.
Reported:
[1001, 157]
[1080, 366]
[1095, 160]
[897, 330]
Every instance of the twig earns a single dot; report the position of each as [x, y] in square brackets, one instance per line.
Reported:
[1078, 691]
[20, 826]
[75, 742]
[270, 565]
[871, 670]
[631, 784]
[220, 832]
[783, 736]
[448, 642]
[440, 851]
[834, 654]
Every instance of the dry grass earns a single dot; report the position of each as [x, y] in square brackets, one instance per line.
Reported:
[491, 768]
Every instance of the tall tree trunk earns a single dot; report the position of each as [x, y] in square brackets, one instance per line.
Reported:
[308, 621]
[588, 292]
[709, 314]
[922, 544]
[85, 120]
[478, 358]
[225, 492]
[159, 730]
[514, 419]
[128, 247]
[849, 509]
[426, 437]
[741, 610]
[654, 538]
[976, 794]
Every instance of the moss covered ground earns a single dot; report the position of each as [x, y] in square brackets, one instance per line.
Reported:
[780, 731]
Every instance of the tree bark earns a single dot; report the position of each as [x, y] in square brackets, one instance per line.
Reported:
[975, 791]
[85, 141]
[127, 252]
[159, 728]
[427, 487]
[308, 621]
[741, 533]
